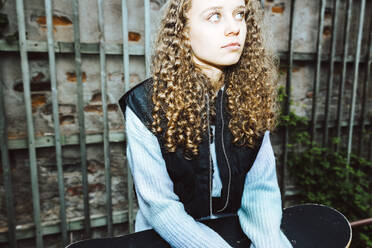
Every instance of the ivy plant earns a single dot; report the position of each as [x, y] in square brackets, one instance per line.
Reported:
[322, 175]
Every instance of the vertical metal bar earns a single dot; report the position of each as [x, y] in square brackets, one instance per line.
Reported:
[30, 125]
[287, 100]
[370, 145]
[106, 144]
[344, 71]
[126, 79]
[7, 172]
[355, 82]
[365, 93]
[331, 71]
[147, 37]
[53, 80]
[370, 149]
[317, 70]
[80, 103]
[125, 44]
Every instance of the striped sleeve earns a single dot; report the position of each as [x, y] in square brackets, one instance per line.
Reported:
[157, 201]
[260, 213]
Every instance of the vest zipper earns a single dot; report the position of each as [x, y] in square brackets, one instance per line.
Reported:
[210, 159]
[224, 152]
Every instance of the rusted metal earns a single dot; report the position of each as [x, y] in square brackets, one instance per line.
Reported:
[7, 172]
[331, 71]
[57, 133]
[341, 91]
[362, 122]
[355, 81]
[147, 37]
[131, 216]
[106, 142]
[317, 70]
[30, 125]
[287, 101]
[81, 118]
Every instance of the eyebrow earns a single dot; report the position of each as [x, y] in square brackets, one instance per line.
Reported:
[211, 8]
[219, 8]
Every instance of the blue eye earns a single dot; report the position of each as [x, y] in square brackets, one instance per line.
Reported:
[240, 15]
[215, 17]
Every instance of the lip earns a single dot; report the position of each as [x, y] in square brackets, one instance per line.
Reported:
[234, 44]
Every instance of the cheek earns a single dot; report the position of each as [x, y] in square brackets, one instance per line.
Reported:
[204, 41]
[197, 38]
[243, 32]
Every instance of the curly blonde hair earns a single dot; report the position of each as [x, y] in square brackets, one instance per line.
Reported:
[180, 87]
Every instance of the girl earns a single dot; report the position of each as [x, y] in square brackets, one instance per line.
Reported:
[198, 139]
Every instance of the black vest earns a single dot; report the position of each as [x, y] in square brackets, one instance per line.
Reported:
[192, 179]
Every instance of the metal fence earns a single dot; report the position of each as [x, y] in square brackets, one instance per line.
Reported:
[77, 48]
[26, 46]
[329, 60]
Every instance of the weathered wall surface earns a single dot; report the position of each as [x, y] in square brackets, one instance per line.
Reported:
[305, 40]
[67, 84]
[11, 78]
[305, 36]
[73, 182]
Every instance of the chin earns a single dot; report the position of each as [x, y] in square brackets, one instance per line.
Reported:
[229, 62]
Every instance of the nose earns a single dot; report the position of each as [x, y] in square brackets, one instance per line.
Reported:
[232, 27]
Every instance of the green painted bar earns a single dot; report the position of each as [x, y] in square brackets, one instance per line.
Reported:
[344, 72]
[139, 50]
[368, 69]
[300, 56]
[58, 147]
[106, 143]
[30, 125]
[126, 47]
[331, 70]
[127, 86]
[318, 69]
[76, 224]
[292, 192]
[80, 108]
[287, 101]
[68, 47]
[370, 146]
[147, 37]
[355, 81]
[74, 139]
[115, 137]
[7, 172]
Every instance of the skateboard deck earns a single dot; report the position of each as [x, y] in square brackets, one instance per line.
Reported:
[308, 225]
[316, 226]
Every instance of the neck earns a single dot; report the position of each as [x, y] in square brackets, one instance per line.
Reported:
[215, 74]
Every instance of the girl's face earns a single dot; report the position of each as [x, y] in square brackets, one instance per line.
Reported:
[217, 31]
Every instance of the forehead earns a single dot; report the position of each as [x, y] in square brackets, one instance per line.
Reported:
[205, 4]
